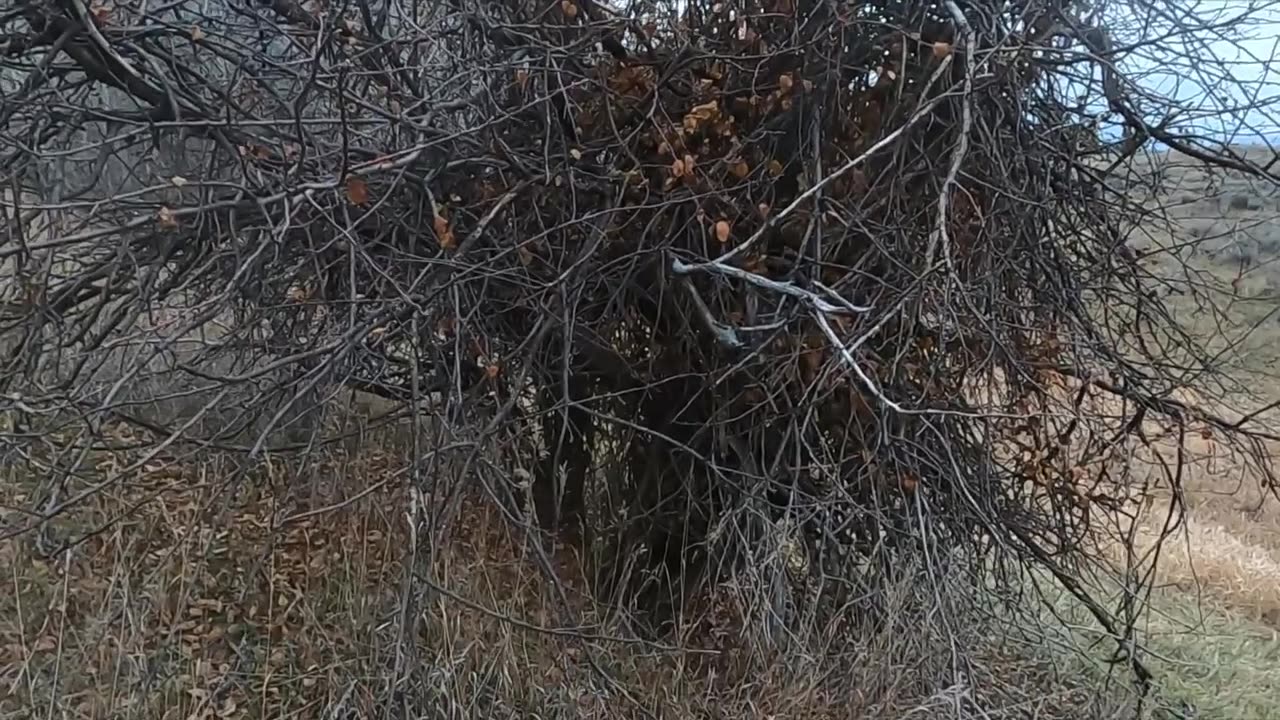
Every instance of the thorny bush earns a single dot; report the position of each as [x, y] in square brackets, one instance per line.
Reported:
[670, 277]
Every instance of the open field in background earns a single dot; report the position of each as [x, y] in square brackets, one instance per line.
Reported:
[1215, 621]
[281, 599]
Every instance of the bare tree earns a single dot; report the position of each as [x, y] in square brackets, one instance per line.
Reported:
[694, 268]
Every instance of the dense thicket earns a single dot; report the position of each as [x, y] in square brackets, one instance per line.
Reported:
[683, 273]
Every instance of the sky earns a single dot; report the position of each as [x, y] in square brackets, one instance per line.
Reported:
[1235, 72]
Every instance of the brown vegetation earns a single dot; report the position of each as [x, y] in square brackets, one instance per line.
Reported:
[730, 348]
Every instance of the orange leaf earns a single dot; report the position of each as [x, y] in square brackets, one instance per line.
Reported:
[444, 233]
[701, 114]
[722, 231]
[357, 190]
[740, 169]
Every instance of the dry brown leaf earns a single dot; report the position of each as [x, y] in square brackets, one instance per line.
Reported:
[166, 218]
[740, 169]
[722, 231]
[197, 34]
[445, 327]
[570, 10]
[522, 78]
[701, 114]
[575, 153]
[763, 208]
[357, 190]
[785, 83]
[445, 233]
[775, 168]
[688, 164]
[101, 12]
[677, 168]
[941, 49]
[492, 370]
[261, 152]
[812, 359]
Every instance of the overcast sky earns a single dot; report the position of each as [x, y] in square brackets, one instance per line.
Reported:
[1237, 73]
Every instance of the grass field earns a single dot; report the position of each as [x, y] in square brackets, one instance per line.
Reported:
[1215, 623]
[287, 594]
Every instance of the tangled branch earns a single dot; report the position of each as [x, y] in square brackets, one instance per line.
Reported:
[690, 267]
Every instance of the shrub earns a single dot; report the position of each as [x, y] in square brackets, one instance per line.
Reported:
[714, 279]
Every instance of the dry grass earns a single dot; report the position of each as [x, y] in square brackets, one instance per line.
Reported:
[285, 596]
[1214, 628]
[1226, 547]
[198, 600]
[202, 601]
